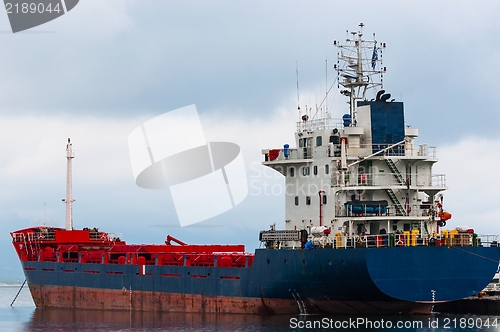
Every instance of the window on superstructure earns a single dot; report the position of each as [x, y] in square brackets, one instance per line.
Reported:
[308, 200]
[327, 169]
[315, 170]
[335, 139]
[301, 143]
[296, 200]
[305, 170]
[292, 172]
[324, 199]
[319, 140]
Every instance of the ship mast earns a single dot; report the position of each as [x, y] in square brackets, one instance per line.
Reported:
[359, 57]
[69, 178]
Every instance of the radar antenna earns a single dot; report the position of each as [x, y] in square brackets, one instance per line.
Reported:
[357, 67]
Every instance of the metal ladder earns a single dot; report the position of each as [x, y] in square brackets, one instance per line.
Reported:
[395, 171]
[400, 210]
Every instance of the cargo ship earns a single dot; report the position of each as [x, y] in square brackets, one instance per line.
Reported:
[364, 230]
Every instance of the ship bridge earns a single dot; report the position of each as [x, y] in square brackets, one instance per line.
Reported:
[343, 173]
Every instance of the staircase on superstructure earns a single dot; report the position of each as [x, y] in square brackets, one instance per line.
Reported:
[400, 210]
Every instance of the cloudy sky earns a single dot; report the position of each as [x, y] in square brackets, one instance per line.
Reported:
[104, 68]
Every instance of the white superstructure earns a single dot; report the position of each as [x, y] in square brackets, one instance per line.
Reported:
[362, 174]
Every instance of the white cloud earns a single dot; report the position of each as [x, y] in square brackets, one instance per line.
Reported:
[33, 159]
[95, 20]
[473, 181]
[33, 148]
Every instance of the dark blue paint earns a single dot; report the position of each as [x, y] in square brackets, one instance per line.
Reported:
[374, 274]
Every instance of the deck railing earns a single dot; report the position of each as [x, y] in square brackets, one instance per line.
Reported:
[447, 238]
[315, 124]
[387, 179]
[309, 152]
[363, 210]
[232, 260]
[407, 240]
[48, 234]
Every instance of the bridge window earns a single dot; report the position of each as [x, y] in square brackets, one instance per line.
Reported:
[308, 200]
[292, 172]
[335, 139]
[327, 169]
[324, 199]
[305, 170]
[296, 200]
[319, 140]
[315, 170]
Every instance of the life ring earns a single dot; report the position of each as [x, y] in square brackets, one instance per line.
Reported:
[103, 237]
[432, 241]
[400, 243]
[41, 236]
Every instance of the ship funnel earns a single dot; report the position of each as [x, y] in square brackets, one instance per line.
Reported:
[385, 97]
[379, 94]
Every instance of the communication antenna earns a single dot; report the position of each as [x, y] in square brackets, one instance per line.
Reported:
[326, 86]
[297, 72]
[357, 67]
[44, 221]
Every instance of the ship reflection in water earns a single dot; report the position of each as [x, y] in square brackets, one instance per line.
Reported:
[114, 320]
[118, 320]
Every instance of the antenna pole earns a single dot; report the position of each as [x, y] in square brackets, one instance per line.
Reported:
[326, 86]
[297, 72]
[69, 178]
[356, 72]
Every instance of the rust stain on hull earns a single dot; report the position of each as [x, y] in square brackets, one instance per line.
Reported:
[124, 299]
[46, 296]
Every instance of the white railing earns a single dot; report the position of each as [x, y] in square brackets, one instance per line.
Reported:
[319, 124]
[385, 179]
[115, 237]
[353, 150]
[448, 238]
[380, 210]
[412, 240]
[33, 236]
[438, 180]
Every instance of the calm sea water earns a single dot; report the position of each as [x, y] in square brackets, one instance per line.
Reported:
[23, 316]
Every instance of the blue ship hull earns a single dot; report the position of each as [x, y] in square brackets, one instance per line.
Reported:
[360, 280]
